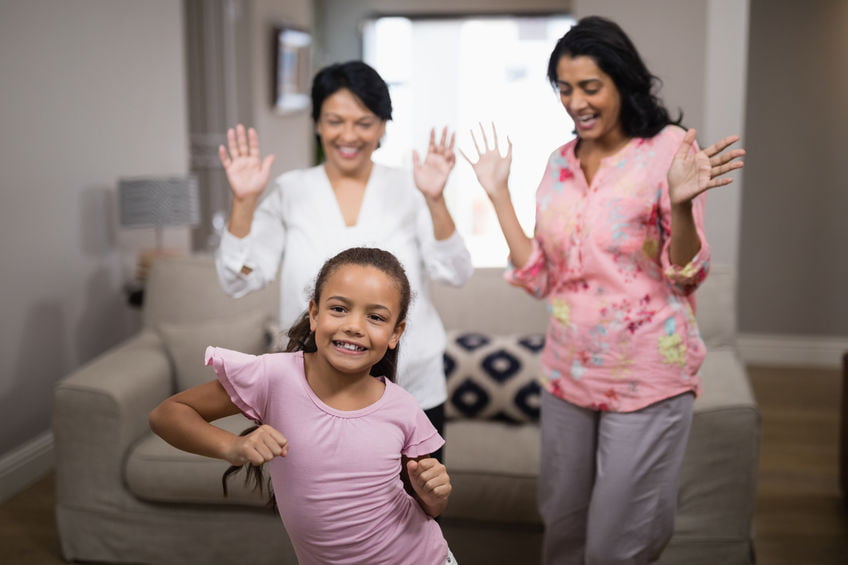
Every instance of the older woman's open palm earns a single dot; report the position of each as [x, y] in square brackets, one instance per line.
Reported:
[693, 172]
[246, 172]
[431, 174]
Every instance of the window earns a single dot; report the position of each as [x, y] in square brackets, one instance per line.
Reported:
[458, 73]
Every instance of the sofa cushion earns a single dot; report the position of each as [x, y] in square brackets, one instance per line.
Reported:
[186, 343]
[493, 376]
[158, 472]
[493, 468]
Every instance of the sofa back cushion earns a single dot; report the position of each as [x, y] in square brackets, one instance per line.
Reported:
[187, 342]
[186, 289]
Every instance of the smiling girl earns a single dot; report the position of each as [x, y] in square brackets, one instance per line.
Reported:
[341, 438]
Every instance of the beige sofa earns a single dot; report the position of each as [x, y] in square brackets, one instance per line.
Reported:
[124, 496]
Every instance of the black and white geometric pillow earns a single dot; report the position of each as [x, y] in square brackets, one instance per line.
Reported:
[493, 376]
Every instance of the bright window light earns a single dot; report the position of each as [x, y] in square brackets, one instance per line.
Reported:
[462, 72]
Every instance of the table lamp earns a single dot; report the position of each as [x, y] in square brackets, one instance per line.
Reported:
[157, 202]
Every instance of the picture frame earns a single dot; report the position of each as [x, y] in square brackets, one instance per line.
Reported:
[292, 48]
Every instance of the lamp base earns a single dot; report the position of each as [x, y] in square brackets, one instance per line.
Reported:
[147, 257]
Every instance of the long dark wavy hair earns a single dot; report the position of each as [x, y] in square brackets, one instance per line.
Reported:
[302, 338]
[642, 112]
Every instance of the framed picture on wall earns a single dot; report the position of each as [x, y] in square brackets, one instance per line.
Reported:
[292, 69]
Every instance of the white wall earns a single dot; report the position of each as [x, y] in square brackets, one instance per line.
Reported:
[794, 268]
[90, 91]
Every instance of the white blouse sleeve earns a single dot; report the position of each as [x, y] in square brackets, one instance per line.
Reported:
[261, 250]
[447, 261]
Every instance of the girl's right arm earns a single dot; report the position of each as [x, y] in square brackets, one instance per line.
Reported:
[183, 420]
[492, 172]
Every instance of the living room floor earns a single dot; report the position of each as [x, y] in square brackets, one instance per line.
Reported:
[801, 517]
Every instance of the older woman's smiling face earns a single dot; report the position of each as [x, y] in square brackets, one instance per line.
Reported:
[349, 132]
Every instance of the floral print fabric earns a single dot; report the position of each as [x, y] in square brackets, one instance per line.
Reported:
[622, 332]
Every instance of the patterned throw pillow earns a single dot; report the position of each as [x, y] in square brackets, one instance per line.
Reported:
[493, 376]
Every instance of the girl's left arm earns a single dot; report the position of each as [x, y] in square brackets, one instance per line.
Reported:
[429, 482]
[691, 173]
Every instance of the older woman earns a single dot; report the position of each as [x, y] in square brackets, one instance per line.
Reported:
[348, 200]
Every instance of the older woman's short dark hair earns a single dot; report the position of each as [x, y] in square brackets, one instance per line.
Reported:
[358, 77]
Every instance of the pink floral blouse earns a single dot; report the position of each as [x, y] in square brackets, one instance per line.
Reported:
[622, 332]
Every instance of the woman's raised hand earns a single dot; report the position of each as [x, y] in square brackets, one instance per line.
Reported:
[261, 445]
[692, 173]
[246, 173]
[491, 168]
[431, 174]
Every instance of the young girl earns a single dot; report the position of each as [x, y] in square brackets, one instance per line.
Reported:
[340, 436]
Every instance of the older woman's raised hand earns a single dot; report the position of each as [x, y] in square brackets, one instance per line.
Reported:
[693, 172]
[246, 172]
[491, 168]
[432, 173]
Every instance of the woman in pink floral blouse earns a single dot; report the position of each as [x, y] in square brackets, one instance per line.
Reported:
[618, 252]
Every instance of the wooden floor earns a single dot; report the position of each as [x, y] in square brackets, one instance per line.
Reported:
[800, 518]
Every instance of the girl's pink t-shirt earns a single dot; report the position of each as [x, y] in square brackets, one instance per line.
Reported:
[338, 489]
[622, 333]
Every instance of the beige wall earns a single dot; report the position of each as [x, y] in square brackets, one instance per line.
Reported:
[90, 91]
[794, 266]
[288, 136]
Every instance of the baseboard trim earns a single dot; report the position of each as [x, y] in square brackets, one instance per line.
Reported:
[792, 350]
[26, 464]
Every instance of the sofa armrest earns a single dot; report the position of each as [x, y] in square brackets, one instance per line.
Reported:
[99, 411]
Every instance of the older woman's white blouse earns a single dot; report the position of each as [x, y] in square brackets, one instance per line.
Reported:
[299, 225]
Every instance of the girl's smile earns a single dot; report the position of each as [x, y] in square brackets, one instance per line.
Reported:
[355, 321]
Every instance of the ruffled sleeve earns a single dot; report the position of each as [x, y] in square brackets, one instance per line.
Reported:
[424, 439]
[243, 377]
